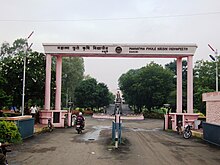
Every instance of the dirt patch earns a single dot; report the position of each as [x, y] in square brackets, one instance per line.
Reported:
[120, 153]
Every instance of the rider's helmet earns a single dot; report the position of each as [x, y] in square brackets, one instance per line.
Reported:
[80, 113]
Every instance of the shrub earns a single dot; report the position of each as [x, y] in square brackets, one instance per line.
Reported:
[88, 112]
[75, 112]
[153, 115]
[9, 132]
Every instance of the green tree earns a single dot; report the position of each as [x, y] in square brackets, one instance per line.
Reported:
[72, 75]
[111, 97]
[91, 94]
[172, 97]
[127, 85]
[12, 71]
[85, 93]
[148, 86]
[5, 100]
[204, 81]
[11, 68]
[102, 95]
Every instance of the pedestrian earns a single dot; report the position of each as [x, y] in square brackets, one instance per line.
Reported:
[33, 110]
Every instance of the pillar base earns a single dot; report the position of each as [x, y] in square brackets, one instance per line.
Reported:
[185, 117]
[57, 117]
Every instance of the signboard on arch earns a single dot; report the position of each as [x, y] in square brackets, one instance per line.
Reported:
[121, 50]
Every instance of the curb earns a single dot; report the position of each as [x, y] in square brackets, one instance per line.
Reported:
[130, 117]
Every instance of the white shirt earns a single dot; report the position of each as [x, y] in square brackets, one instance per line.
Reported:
[33, 110]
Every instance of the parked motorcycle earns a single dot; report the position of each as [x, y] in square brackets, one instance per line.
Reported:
[4, 150]
[187, 133]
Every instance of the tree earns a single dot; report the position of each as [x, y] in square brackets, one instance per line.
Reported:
[111, 97]
[102, 95]
[5, 100]
[11, 67]
[12, 71]
[72, 75]
[204, 81]
[148, 86]
[85, 93]
[172, 97]
[91, 94]
[127, 85]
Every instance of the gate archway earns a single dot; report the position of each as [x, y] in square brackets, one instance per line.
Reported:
[177, 51]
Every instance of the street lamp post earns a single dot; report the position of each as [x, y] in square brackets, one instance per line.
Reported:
[24, 72]
[216, 64]
[23, 90]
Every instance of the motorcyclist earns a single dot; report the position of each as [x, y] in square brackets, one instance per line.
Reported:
[81, 119]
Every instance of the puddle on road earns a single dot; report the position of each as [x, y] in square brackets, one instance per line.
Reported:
[144, 130]
[94, 135]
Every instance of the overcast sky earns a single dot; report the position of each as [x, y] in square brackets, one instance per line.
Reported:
[113, 21]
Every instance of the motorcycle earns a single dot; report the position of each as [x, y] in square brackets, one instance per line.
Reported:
[187, 133]
[79, 127]
[4, 150]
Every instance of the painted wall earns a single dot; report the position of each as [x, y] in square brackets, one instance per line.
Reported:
[212, 100]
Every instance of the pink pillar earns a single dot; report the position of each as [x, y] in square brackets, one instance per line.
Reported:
[58, 83]
[189, 84]
[179, 85]
[47, 82]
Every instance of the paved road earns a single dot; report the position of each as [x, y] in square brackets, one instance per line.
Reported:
[144, 142]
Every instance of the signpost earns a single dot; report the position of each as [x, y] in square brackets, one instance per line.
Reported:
[215, 59]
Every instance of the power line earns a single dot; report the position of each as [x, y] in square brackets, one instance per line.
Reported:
[110, 19]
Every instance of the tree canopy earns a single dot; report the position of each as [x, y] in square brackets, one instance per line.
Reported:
[12, 72]
[72, 75]
[204, 81]
[149, 86]
[172, 96]
[91, 94]
[11, 75]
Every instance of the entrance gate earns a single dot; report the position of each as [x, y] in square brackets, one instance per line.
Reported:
[177, 51]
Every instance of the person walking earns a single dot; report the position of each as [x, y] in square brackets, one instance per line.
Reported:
[33, 110]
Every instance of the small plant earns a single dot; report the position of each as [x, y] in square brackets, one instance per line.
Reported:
[9, 132]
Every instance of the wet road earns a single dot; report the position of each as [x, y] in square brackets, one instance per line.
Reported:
[144, 142]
